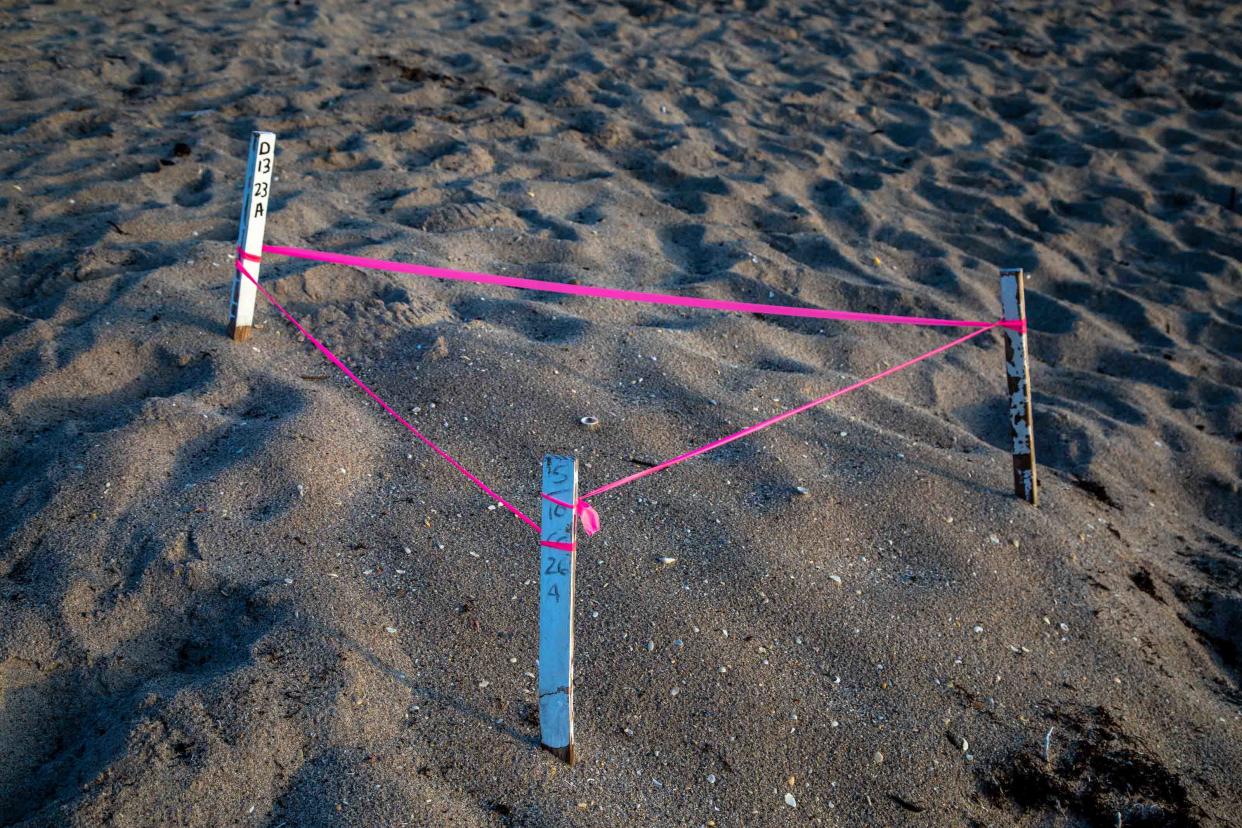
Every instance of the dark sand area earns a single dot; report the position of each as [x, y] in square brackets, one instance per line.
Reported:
[233, 592]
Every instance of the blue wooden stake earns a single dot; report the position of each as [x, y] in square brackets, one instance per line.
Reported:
[557, 536]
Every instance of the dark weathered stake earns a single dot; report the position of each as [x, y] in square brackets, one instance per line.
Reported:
[250, 232]
[1017, 370]
[557, 536]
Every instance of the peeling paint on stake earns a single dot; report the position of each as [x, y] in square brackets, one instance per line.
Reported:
[557, 535]
[250, 233]
[1021, 425]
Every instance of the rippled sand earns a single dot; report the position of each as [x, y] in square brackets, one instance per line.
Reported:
[205, 544]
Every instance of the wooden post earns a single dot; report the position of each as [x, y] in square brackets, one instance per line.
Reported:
[1017, 370]
[557, 535]
[250, 233]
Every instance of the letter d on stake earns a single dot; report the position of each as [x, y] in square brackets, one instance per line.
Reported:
[250, 233]
[557, 533]
[1021, 426]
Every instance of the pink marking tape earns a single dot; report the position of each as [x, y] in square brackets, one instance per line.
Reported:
[335, 360]
[584, 511]
[629, 295]
[737, 435]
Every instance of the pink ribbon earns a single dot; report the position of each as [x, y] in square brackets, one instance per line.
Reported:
[584, 511]
[335, 360]
[737, 435]
[627, 295]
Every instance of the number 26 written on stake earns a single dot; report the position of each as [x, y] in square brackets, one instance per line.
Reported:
[556, 568]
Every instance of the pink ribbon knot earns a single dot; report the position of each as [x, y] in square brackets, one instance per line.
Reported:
[584, 511]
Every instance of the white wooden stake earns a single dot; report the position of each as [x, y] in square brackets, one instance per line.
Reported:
[557, 536]
[1021, 425]
[250, 233]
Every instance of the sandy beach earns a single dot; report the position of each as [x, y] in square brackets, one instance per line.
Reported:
[234, 592]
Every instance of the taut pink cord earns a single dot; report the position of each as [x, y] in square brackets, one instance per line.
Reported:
[783, 416]
[583, 510]
[630, 295]
[323, 349]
